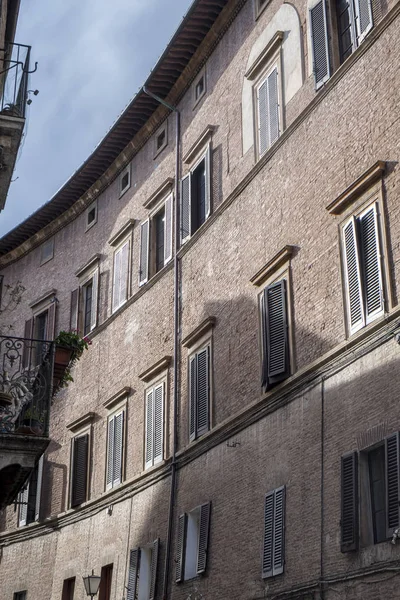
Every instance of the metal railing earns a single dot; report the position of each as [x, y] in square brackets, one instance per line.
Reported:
[26, 380]
[14, 74]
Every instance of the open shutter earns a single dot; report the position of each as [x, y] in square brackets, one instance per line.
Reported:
[116, 280]
[153, 569]
[273, 106]
[373, 288]
[192, 398]
[353, 276]
[124, 280]
[80, 470]
[277, 331]
[118, 448]
[149, 429]
[205, 510]
[95, 296]
[267, 565]
[110, 453]
[207, 176]
[51, 321]
[180, 548]
[168, 221]
[392, 483]
[319, 43]
[23, 499]
[144, 252]
[262, 106]
[134, 560]
[363, 18]
[185, 208]
[349, 502]
[28, 335]
[279, 532]
[74, 311]
[203, 390]
[39, 487]
[158, 423]
[263, 342]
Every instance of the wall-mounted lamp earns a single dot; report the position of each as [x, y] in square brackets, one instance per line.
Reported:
[92, 584]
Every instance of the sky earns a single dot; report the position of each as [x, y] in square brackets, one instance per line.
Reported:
[93, 56]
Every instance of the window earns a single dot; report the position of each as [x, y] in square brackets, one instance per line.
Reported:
[195, 197]
[47, 251]
[125, 180]
[260, 5]
[115, 448]
[91, 215]
[199, 87]
[363, 270]
[199, 392]
[41, 326]
[353, 22]
[192, 543]
[68, 589]
[142, 576]
[154, 435]
[275, 352]
[105, 582]
[274, 533]
[370, 494]
[20, 595]
[161, 140]
[29, 498]
[268, 92]
[80, 452]
[84, 299]
[121, 275]
[156, 241]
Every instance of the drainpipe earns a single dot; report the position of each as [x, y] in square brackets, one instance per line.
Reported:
[176, 335]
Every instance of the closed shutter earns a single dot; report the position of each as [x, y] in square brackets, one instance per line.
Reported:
[168, 222]
[124, 280]
[267, 567]
[110, 453]
[364, 21]
[319, 43]
[349, 503]
[277, 331]
[273, 106]
[274, 533]
[134, 560]
[373, 289]
[353, 276]
[144, 252]
[28, 334]
[203, 390]
[153, 569]
[262, 105]
[185, 208]
[149, 429]
[263, 343]
[116, 280]
[39, 487]
[192, 398]
[204, 528]
[51, 321]
[392, 483]
[158, 423]
[80, 470]
[95, 297]
[180, 548]
[74, 310]
[118, 448]
[23, 506]
[207, 176]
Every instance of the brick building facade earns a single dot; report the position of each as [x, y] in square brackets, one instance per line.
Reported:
[232, 431]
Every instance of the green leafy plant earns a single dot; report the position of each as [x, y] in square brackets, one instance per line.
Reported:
[70, 340]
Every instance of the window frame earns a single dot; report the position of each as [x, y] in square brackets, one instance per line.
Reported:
[89, 209]
[23, 519]
[259, 7]
[204, 343]
[201, 75]
[199, 543]
[81, 433]
[88, 274]
[123, 190]
[118, 248]
[204, 154]
[160, 130]
[45, 259]
[120, 408]
[152, 239]
[160, 381]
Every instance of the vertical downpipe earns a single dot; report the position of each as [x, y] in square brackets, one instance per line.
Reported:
[322, 590]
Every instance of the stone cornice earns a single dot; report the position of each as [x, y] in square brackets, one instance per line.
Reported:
[162, 191]
[360, 185]
[154, 370]
[272, 265]
[117, 397]
[81, 422]
[264, 56]
[199, 144]
[123, 231]
[46, 296]
[88, 265]
[200, 330]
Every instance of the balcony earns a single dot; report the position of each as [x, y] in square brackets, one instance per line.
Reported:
[26, 380]
[14, 79]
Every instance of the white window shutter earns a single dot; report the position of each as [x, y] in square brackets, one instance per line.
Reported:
[279, 531]
[74, 311]
[124, 279]
[373, 286]
[168, 225]
[23, 506]
[262, 106]
[110, 453]
[273, 106]
[116, 280]
[95, 297]
[355, 306]
[180, 548]
[203, 390]
[185, 208]
[118, 448]
[144, 252]
[319, 43]
[39, 487]
[207, 165]
[149, 429]
[158, 423]
[364, 20]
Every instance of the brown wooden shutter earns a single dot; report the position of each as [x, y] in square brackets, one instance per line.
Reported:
[134, 561]
[74, 311]
[349, 503]
[80, 470]
[319, 43]
[180, 548]
[392, 483]
[28, 335]
[203, 391]
[153, 569]
[204, 528]
[192, 397]
[277, 331]
[51, 321]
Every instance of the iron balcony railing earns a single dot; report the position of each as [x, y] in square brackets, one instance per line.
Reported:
[26, 380]
[14, 73]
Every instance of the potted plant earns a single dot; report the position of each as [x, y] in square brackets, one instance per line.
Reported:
[69, 347]
[32, 421]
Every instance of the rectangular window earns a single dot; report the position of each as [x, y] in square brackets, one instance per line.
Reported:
[274, 533]
[154, 437]
[47, 251]
[68, 589]
[121, 275]
[195, 197]
[20, 595]
[363, 270]
[268, 94]
[125, 180]
[40, 327]
[192, 543]
[115, 447]
[84, 304]
[80, 452]
[142, 575]
[274, 334]
[91, 215]
[29, 498]
[156, 241]
[199, 392]
[105, 582]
